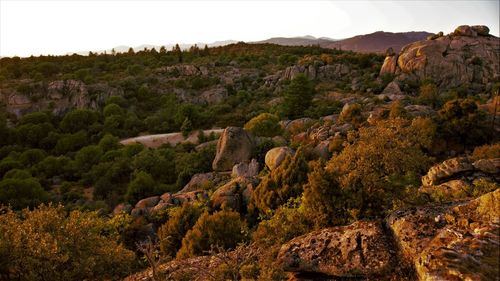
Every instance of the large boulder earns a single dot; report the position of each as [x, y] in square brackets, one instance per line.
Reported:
[276, 155]
[356, 250]
[235, 146]
[468, 55]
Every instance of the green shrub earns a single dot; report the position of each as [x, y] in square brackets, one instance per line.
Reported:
[142, 186]
[264, 125]
[283, 183]
[48, 242]
[486, 151]
[223, 228]
[22, 193]
[180, 221]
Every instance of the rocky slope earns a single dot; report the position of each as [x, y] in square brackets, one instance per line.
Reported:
[468, 56]
[454, 240]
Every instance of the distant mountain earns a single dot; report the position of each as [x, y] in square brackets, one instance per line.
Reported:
[297, 41]
[378, 42]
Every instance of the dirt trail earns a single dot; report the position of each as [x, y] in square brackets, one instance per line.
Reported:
[155, 141]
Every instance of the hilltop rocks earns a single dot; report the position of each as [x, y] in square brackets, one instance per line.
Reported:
[235, 146]
[276, 155]
[468, 55]
[359, 249]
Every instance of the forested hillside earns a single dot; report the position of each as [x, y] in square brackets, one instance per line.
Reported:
[290, 162]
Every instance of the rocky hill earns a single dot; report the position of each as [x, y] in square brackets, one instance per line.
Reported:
[469, 56]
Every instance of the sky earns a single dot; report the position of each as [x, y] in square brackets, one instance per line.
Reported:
[64, 26]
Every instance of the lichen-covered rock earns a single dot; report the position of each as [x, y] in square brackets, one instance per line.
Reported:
[449, 168]
[235, 146]
[454, 241]
[245, 169]
[276, 155]
[459, 254]
[359, 249]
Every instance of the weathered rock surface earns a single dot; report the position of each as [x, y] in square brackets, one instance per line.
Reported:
[359, 249]
[235, 146]
[468, 55]
[276, 155]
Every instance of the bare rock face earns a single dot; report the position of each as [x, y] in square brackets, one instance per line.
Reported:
[276, 155]
[235, 146]
[359, 249]
[468, 55]
[440, 172]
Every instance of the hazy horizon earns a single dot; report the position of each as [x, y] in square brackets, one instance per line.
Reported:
[62, 27]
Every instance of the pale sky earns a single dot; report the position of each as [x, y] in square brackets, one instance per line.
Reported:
[60, 27]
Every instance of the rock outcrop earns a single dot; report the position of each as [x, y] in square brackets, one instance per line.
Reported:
[468, 55]
[235, 146]
[276, 155]
[359, 249]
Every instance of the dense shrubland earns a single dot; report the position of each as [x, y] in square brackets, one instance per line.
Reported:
[75, 158]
